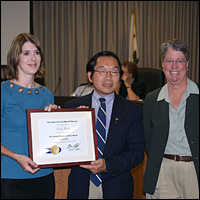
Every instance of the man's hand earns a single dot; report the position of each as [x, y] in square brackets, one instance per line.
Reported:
[96, 166]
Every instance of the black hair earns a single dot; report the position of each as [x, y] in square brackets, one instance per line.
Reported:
[93, 61]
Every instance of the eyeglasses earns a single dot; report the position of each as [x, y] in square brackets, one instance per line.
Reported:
[104, 72]
[179, 62]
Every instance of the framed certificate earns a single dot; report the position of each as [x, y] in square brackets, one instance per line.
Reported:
[62, 137]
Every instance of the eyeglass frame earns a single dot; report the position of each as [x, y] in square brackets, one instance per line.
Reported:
[106, 72]
[175, 61]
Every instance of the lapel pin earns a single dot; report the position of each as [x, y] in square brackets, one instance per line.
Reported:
[116, 120]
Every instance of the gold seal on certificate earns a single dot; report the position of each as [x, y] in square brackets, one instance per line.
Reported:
[55, 149]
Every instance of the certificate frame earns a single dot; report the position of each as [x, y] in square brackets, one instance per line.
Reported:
[62, 137]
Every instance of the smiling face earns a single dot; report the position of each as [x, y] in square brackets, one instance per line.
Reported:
[105, 85]
[29, 59]
[175, 72]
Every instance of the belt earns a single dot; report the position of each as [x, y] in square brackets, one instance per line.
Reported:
[178, 157]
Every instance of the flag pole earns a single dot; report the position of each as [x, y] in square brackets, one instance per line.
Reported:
[132, 35]
[133, 16]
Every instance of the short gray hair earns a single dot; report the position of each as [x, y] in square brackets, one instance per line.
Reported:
[176, 45]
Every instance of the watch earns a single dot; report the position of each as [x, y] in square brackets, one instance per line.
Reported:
[128, 86]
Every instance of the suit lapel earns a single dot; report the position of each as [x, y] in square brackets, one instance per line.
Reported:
[164, 107]
[189, 105]
[115, 122]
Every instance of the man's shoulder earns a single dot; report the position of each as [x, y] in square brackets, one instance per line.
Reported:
[126, 104]
[79, 101]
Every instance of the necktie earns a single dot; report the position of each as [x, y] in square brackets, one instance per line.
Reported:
[101, 135]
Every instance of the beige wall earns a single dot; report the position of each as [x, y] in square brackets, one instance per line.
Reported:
[15, 19]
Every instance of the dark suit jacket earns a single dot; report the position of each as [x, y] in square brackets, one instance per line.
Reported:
[156, 125]
[124, 150]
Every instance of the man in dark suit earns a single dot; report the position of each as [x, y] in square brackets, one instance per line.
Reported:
[124, 143]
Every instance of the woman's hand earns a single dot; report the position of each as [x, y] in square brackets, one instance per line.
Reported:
[27, 164]
[83, 107]
[124, 77]
[50, 106]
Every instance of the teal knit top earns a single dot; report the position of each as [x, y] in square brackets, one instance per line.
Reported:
[15, 100]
